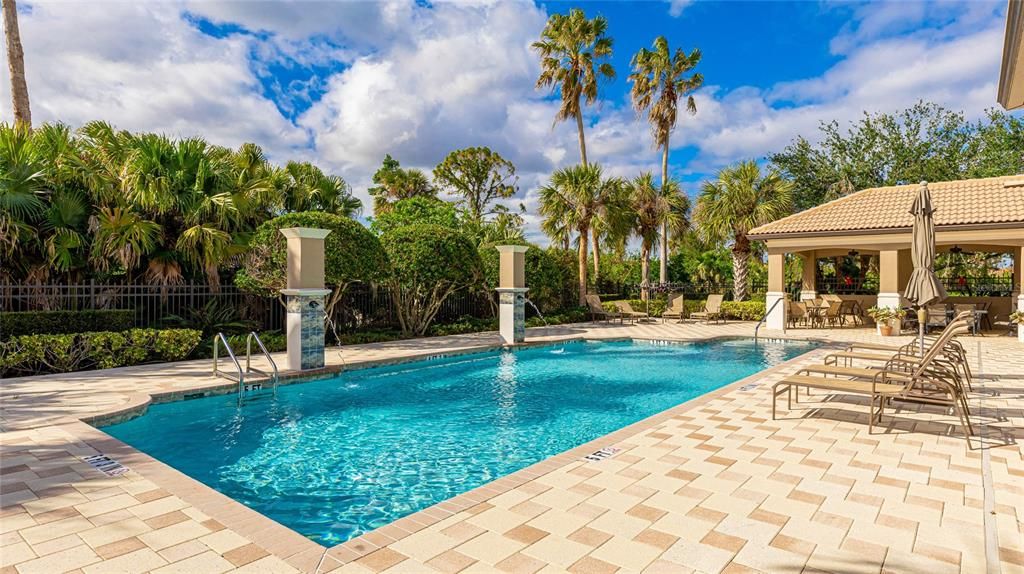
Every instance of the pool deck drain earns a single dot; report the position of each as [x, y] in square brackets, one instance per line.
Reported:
[712, 485]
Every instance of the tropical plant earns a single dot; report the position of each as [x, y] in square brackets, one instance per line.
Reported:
[650, 209]
[351, 254]
[659, 82]
[428, 264]
[392, 183]
[479, 177]
[740, 199]
[16, 64]
[572, 49]
[415, 210]
[103, 203]
[570, 202]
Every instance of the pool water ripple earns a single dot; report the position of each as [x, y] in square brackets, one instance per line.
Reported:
[338, 457]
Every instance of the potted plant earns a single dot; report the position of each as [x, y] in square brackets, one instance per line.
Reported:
[1017, 318]
[885, 316]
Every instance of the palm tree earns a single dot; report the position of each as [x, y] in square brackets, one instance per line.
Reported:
[659, 82]
[571, 200]
[649, 209]
[309, 189]
[569, 48]
[16, 64]
[738, 201]
[394, 184]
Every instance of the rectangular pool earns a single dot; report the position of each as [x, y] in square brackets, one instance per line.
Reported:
[338, 457]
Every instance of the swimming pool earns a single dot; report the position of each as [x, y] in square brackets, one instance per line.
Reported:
[337, 457]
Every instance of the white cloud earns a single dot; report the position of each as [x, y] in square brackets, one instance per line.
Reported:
[676, 7]
[142, 67]
[419, 81]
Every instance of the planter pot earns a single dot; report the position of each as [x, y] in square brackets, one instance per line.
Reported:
[885, 330]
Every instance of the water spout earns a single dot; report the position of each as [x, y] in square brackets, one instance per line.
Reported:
[539, 314]
[334, 331]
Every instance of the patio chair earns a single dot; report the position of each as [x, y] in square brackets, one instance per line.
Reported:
[676, 309]
[970, 308]
[712, 309]
[796, 312]
[628, 312]
[597, 310]
[922, 381]
[833, 314]
[936, 317]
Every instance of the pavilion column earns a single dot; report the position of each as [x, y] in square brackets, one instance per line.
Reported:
[809, 280]
[890, 274]
[776, 294]
[1018, 286]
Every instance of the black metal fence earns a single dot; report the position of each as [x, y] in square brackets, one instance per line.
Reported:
[362, 306]
[693, 290]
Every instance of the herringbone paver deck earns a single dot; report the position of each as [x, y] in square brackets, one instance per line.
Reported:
[713, 485]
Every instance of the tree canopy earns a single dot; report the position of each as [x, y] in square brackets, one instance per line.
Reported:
[478, 177]
[393, 183]
[416, 210]
[924, 142]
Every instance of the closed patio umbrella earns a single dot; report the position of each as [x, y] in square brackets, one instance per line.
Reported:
[924, 287]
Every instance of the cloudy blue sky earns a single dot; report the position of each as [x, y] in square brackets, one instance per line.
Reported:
[343, 83]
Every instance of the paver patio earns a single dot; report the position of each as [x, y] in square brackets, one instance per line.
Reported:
[713, 485]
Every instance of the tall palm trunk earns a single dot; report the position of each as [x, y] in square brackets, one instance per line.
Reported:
[579, 133]
[645, 267]
[740, 267]
[582, 260]
[597, 254]
[663, 264]
[16, 64]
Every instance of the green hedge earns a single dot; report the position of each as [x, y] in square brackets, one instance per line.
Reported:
[63, 353]
[49, 322]
[736, 310]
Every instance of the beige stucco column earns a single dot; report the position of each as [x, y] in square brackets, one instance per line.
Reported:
[512, 293]
[1018, 286]
[809, 280]
[776, 295]
[304, 297]
[893, 273]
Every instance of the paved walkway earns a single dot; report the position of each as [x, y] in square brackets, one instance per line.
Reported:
[713, 485]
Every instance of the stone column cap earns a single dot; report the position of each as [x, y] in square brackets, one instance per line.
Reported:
[306, 292]
[305, 232]
[512, 248]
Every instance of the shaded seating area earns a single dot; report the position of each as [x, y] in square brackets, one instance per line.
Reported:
[863, 240]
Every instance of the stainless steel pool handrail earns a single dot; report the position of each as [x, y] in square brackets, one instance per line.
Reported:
[769, 312]
[218, 339]
[248, 357]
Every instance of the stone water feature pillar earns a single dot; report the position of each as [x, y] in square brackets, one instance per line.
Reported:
[512, 294]
[304, 297]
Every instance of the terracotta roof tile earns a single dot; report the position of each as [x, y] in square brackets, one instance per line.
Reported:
[968, 201]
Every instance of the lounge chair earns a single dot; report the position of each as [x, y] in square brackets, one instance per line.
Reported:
[597, 310]
[920, 382]
[936, 317]
[712, 309]
[676, 309]
[627, 311]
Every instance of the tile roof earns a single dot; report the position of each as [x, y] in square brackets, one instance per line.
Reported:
[967, 201]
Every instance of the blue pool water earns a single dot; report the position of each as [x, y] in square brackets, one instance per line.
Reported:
[338, 457]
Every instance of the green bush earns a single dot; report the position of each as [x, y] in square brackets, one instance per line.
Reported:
[62, 353]
[546, 277]
[743, 310]
[363, 337]
[351, 254]
[464, 325]
[428, 264]
[50, 322]
[416, 210]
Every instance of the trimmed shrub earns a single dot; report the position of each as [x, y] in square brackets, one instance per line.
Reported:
[743, 310]
[428, 264]
[413, 211]
[49, 322]
[736, 310]
[63, 353]
[351, 254]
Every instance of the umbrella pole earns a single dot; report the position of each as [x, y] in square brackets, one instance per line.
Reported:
[922, 317]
